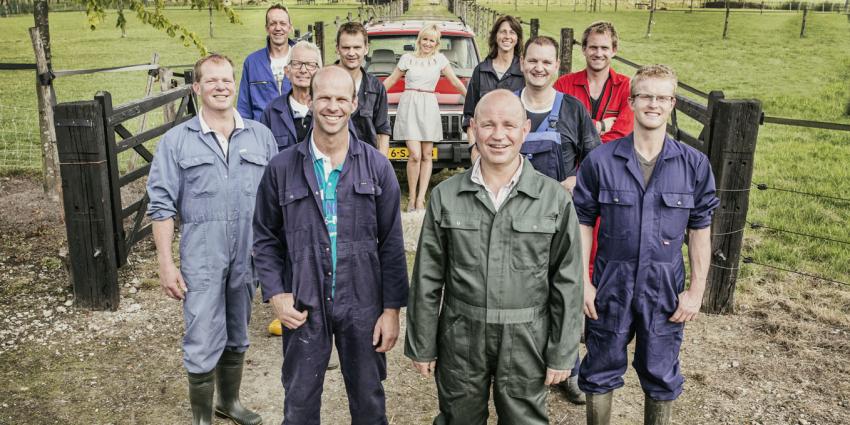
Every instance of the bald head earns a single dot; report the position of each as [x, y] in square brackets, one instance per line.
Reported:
[501, 100]
[335, 76]
[500, 126]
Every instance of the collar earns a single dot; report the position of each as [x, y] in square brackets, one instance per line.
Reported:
[478, 178]
[269, 47]
[613, 78]
[317, 154]
[487, 66]
[205, 129]
[354, 147]
[626, 148]
[526, 184]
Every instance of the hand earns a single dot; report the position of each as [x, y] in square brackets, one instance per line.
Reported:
[386, 330]
[609, 124]
[590, 302]
[689, 305]
[569, 184]
[284, 310]
[171, 280]
[425, 368]
[554, 377]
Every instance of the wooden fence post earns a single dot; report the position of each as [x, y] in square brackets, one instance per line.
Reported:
[651, 17]
[143, 120]
[51, 182]
[803, 25]
[566, 51]
[535, 27]
[168, 111]
[726, 22]
[734, 131]
[87, 205]
[320, 37]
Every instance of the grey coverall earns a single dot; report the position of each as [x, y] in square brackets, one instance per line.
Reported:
[214, 198]
[509, 282]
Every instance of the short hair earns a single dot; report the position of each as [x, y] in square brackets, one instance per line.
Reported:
[213, 57]
[278, 6]
[657, 71]
[600, 27]
[353, 84]
[430, 29]
[541, 40]
[304, 44]
[491, 40]
[352, 28]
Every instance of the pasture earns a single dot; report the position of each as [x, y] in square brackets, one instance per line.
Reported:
[780, 359]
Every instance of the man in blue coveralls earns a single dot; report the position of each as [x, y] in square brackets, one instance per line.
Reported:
[263, 76]
[649, 190]
[330, 258]
[206, 171]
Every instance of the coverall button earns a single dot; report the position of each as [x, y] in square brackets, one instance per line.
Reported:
[329, 273]
[534, 227]
[327, 249]
[291, 196]
[678, 202]
[328, 298]
[616, 199]
[458, 223]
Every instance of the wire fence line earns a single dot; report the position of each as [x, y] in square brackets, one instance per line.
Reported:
[19, 138]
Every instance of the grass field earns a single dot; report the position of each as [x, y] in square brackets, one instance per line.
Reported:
[764, 58]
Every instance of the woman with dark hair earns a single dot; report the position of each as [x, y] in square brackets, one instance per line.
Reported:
[500, 70]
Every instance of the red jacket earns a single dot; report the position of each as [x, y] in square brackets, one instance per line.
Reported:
[615, 101]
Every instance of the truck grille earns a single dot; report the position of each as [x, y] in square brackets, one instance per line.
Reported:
[452, 129]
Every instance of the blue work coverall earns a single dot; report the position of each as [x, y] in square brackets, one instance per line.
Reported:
[278, 118]
[639, 270]
[258, 88]
[214, 198]
[371, 117]
[292, 254]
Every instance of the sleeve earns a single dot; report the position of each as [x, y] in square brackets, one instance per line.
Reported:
[243, 103]
[586, 136]
[473, 95]
[705, 200]
[164, 180]
[390, 238]
[442, 60]
[404, 62]
[566, 292]
[586, 193]
[266, 117]
[561, 84]
[381, 114]
[426, 289]
[625, 119]
[269, 245]
[589, 137]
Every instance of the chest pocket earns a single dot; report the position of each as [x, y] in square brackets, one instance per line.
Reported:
[366, 105]
[463, 232]
[201, 176]
[675, 212]
[530, 242]
[619, 211]
[365, 208]
[252, 165]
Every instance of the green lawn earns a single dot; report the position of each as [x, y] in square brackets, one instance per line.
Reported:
[764, 58]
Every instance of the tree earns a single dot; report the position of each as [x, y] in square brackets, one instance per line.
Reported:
[96, 13]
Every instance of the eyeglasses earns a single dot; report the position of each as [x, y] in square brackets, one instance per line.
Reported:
[310, 66]
[650, 98]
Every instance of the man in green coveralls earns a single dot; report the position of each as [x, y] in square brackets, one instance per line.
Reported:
[496, 293]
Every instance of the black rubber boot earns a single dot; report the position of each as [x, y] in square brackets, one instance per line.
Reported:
[657, 412]
[572, 391]
[599, 408]
[201, 389]
[228, 381]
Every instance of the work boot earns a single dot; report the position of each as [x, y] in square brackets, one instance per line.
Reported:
[201, 388]
[599, 408]
[571, 389]
[656, 412]
[228, 380]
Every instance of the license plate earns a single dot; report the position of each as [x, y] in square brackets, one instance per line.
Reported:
[403, 154]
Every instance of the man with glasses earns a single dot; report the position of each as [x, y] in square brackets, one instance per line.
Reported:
[648, 190]
[263, 74]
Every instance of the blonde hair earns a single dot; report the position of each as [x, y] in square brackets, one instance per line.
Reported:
[432, 30]
[658, 71]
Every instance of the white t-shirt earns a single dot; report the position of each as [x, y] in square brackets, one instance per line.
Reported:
[277, 65]
[299, 110]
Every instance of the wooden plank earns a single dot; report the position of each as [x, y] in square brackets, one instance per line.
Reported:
[134, 175]
[134, 235]
[692, 109]
[734, 131]
[105, 100]
[87, 206]
[148, 89]
[132, 142]
[51, 180]
[135, 108]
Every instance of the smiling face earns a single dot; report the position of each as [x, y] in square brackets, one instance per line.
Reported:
[428, 41]
[653, 100]
[500, 127]
[599, 51]
[506, 38]
[332, 101]
[540, 65]
[278, 26]
[303, 64]
[351, 49]
[217, 86]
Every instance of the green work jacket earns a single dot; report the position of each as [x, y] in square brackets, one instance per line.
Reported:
[506, 266]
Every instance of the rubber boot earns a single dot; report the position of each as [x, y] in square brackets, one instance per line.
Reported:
[657, 412]
[571, 389]
[228, 380]
[201, 389]
[599, 408]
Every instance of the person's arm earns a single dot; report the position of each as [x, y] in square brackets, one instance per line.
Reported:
[624, 123]
[473, 95]
[266, 118]
[390, 81]
[382, 121]
[565, 294]
[450, 75]
[391, 257]
[243, 102]
[163, 189]
[426, 290]
[585, 197]
[170, 278]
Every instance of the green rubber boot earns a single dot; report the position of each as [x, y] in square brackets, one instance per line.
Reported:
[599, 408]
[572, 391]
[657, 412]
[201, 388]
[228, 381]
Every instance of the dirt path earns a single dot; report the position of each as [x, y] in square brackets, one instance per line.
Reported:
[782, 359]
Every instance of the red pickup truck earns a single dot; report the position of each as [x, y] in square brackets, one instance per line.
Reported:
[388, 40]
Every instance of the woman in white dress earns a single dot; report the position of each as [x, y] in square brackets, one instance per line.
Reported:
[418, 117]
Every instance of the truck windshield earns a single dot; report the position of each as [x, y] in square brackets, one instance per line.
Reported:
[385, 51]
